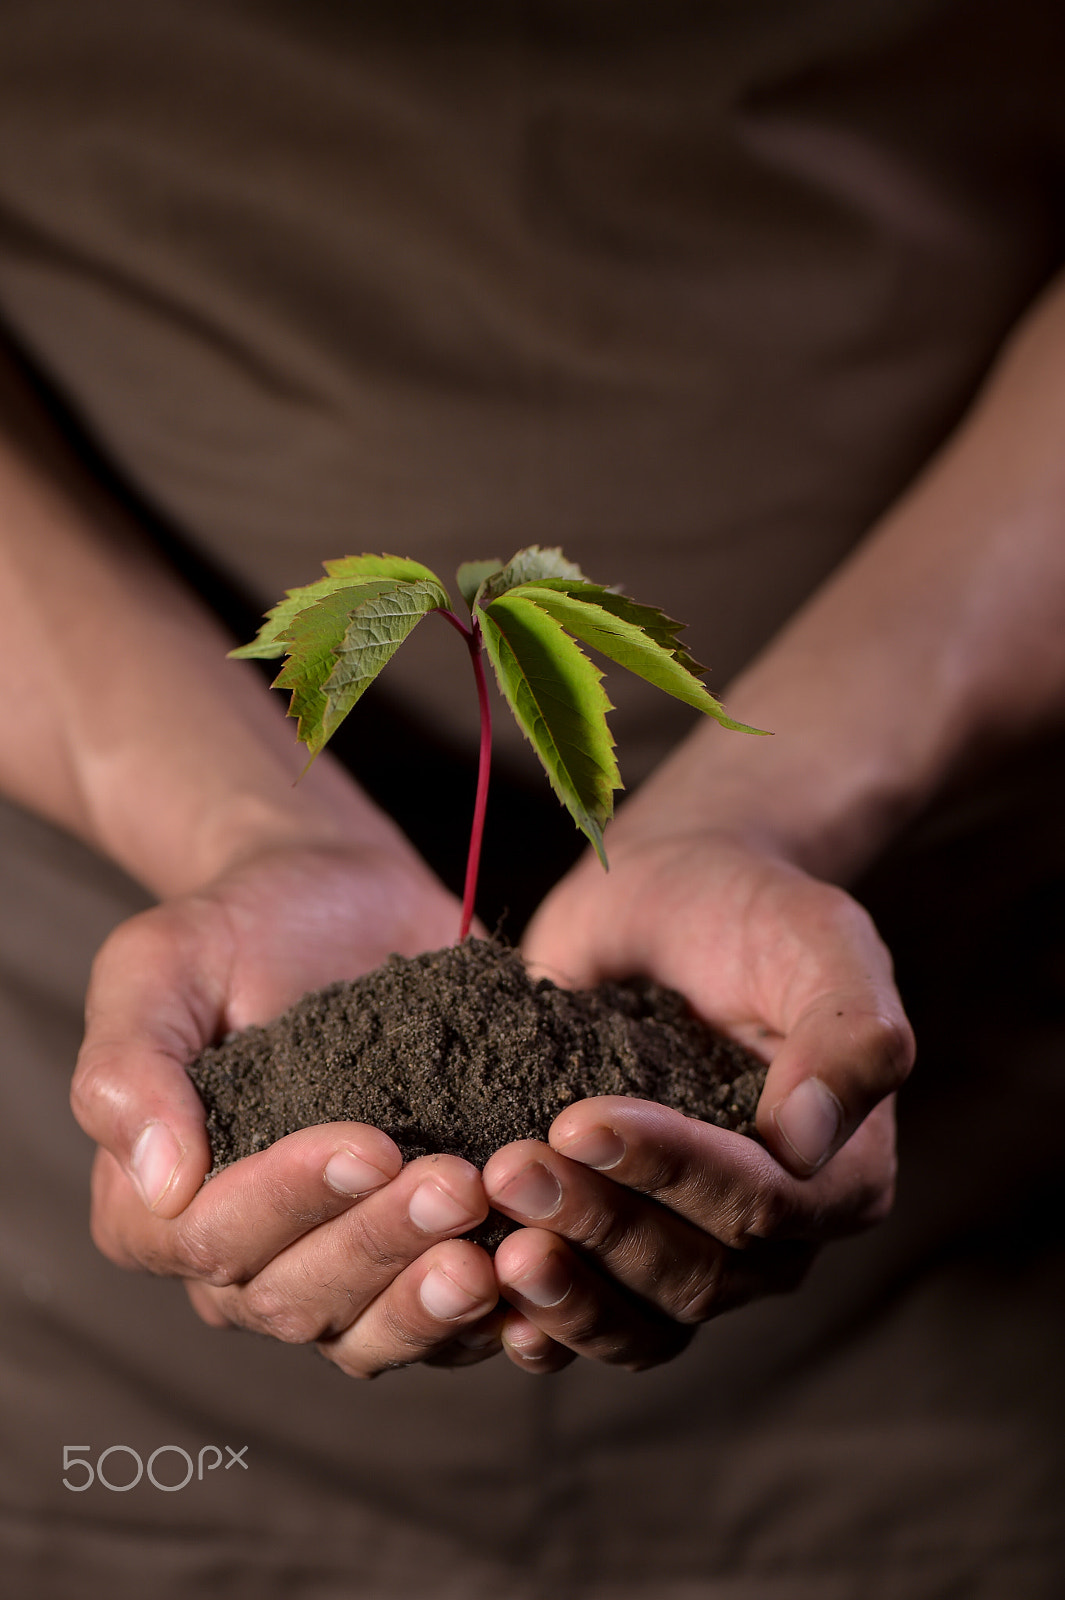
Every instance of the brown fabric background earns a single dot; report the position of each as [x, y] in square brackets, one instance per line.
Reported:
[693, 290]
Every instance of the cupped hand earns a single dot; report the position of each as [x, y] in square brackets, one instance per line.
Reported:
[326, 1237]
[642, 1223]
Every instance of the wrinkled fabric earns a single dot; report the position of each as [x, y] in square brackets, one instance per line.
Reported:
[694, 291]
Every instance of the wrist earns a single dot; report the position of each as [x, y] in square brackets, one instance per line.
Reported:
[216, 830]
[787, 796]
[200, 792]
[248, 824]
[402, 904]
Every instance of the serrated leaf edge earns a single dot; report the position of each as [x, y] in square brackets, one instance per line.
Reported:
[588, 823]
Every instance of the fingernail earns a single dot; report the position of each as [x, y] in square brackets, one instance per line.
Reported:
[524, 1339]
[153, 1161]
[809, 1121]
[547, 1284]
[534, 1191]
[479, 1338]
[444, 1298]
[601, 1148]
[349, 1174]
[434, 1211]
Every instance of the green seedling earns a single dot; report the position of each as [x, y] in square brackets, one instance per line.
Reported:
[527, 615]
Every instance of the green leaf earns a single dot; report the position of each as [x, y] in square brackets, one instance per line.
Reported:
[337, 646]
[312, 642]
[557, 696]
[375, 632]
[528, 566]
[627, 643]
[662, 629]
[359, 568]
[339, 632]
[471, 575]
[346, 573]
[270, 639]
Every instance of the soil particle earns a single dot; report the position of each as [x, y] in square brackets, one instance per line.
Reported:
[461, 1051]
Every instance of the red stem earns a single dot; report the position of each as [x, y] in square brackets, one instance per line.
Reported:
[474, 644]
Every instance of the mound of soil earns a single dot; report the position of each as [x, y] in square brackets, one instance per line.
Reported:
[461, 1051]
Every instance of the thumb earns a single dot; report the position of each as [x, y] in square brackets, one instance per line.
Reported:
[149, 1010]
[563, 940]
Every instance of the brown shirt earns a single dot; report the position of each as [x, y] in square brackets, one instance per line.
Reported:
[693, 289]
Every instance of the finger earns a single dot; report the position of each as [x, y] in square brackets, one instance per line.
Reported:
[839, 1060]
[451, 1287]
[250, 1212]
[559, 1291]
[676, 1275]
[669, 1263]
[154, 1000]
[561, 940]
[845, 1041]
[479, 1341]
[728, 1185]
[531, 1350]
[321, 1284]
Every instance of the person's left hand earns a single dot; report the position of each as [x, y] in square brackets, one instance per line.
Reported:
[642, 1223]
[326, 1237]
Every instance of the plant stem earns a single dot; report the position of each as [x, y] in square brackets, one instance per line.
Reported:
[475, 645]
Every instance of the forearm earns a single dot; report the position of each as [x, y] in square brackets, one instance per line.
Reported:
[127, 726]
[942, 638]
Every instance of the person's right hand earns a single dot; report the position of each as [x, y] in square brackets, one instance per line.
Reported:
[325, 1237]
[639, 1223]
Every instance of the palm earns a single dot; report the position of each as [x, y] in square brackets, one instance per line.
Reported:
[377, 1241]
[751, 941]
[295, 921]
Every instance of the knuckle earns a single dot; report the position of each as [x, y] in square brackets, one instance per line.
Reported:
[605, 1232]
[592, 1328]
[385, 1340]
[663, 1170]
[584, 1326]
[839, 912]
[279, 1315]
[91, 1089]
[402, 1336]
[765, 1214]
[198, 1255]
[846, 909]
[893, 1043]
[697, 1296]
[376, 1244]
[152, 1257]
[289, 1201]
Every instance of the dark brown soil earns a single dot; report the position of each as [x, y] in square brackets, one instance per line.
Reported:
[461, 1051]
